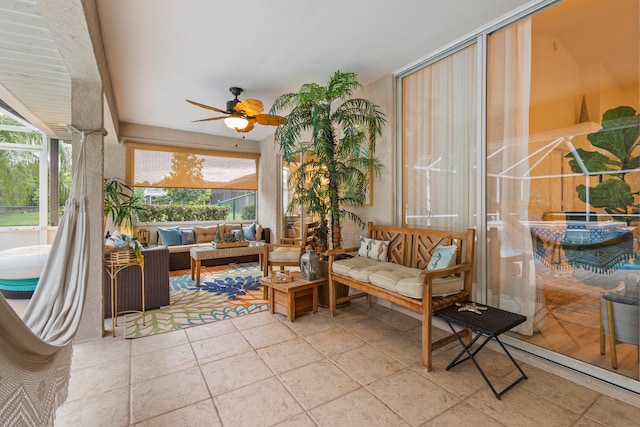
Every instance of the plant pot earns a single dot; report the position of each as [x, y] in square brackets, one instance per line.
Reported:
[323, 291]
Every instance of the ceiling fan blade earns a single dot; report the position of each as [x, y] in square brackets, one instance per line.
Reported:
[270, 120]
[209, 119]
[197, 104]
[251, 107]
[247, 128]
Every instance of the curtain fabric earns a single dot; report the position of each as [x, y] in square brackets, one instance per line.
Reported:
[512, 282]
[439, 127]
[35, 351]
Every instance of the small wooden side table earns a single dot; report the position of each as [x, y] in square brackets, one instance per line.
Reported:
[293, 298]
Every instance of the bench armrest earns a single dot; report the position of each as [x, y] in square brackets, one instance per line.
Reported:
[334, 252]
[443, 272]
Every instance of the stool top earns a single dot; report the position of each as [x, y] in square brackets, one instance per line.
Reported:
[492, 321]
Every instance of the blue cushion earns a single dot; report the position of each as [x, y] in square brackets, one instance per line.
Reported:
[188, 237]
[443, 257]
[249, 232]
[170, 236]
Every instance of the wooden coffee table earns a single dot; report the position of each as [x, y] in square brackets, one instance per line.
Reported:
[198, 253]
[293, 298]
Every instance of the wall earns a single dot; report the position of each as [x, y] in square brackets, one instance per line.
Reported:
[382, 211]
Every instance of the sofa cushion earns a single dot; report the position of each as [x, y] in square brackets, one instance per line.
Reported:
[441, 287]
[170, 236]
[249, 232]
[392, 273]
[343, 266]
[188, 236]
[207, 234]
[443, 257]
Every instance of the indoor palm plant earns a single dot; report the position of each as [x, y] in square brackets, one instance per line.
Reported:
[333, 137]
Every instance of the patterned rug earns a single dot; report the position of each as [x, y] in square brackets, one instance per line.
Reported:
[222, 295]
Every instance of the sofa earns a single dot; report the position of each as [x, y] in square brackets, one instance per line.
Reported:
[422, 270]
[179, 240]
[156, 283]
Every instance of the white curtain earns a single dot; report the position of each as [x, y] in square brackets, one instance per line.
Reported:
[512, 283]
[35, 351]
[439, 128]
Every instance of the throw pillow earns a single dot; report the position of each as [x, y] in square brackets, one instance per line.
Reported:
[363, 246]
[378, 250]
[250, 232]
[170, 236]
[188, 237]
[443, 257]
[372, 248]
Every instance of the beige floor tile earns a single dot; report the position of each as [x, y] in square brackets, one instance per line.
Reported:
[95, 380]
[334, 341]
[565, 393]
[111, 409]
[196, 415]
[311, 324]
[347, 315]
[220, 347]
[289, 355]
[253, 320]
[164, 361]
[260, 404]
[366, 364]
[157, 342]
[301, 420]
[317, 383]
[612, 412]
[520, 407]
[400, 321]
[413, 396]
[586, 422]
[358, 408]
[229, 374]
[371, 330]
[273, 333]
[462, 380]
[401, 347]
[92, 353]
[464, 415]
[167, 393]
[210, 330]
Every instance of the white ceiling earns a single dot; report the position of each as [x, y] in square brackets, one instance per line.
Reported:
[161, 52]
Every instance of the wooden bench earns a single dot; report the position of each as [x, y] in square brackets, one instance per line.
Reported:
[413, 247]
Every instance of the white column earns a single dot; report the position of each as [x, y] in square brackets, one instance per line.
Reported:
[87, 115]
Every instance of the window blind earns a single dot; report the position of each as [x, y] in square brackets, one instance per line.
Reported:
[179, 167]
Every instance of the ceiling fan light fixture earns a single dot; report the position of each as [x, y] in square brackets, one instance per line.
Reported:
[235, 122]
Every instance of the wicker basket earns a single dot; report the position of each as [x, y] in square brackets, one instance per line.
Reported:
[122, 257]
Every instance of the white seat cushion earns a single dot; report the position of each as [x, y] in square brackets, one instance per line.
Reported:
[442, 286]
[343, 266]
[389, 277]
[282, 254]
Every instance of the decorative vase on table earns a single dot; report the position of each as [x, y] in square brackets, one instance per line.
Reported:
[217, 237]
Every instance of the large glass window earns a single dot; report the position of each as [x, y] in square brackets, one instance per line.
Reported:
[166, 177]
[561, 182]
[439, 118]
[563, 178]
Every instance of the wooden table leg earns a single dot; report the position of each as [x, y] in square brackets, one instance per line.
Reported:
[314, 307]
[291, 304]
[272, 305]
[193, 266]
[198, 264]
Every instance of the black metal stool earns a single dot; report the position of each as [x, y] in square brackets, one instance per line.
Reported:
[485, 321]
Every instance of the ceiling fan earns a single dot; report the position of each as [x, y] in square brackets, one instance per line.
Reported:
[242, 115]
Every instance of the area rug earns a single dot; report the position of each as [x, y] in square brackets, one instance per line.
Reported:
[222, 295]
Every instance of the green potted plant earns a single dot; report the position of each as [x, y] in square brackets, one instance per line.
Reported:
[121, 205]
[334, 137]
[619, 137]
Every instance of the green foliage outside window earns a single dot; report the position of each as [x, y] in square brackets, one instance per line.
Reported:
[182, 213]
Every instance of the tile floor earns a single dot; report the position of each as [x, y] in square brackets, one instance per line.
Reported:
[359, 368]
